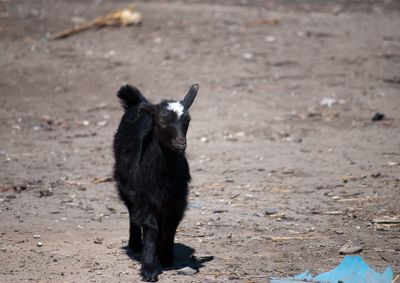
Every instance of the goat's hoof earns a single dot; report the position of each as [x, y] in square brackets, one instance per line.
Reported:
[149, 273]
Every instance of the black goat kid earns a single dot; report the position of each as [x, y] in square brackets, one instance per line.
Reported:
[152, 173]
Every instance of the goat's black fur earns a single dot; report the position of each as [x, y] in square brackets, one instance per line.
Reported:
[152, 180]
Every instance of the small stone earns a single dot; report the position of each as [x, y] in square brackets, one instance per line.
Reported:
[378, 117]
[202, 257]
[3, 249]
[270, 211]
[77, 20]
[248, 56]
[158, 40]
[39, 244]
[187, 271]
[270, 39]
[204, 139]
[300, 34]
[230, 137]
[36, 236]
[109, 54]
[328, 102]
[339, 231]
[98, 240]
[47, 120]
[392, 163]
[349, 249]
[376, 175]
[111, 209]
[219, 211]
[46, 193]
[102, 123]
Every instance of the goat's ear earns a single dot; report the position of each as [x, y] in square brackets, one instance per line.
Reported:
[129, 96]
[148, 107]
[190, 96]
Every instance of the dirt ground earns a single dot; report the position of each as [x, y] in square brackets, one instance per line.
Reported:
[287, 165]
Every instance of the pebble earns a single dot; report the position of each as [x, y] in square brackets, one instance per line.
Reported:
[187, 271]
[98, 240]
[248, 56]
[109, 54]
[376, 175]
[36, 236]
[219, 210]
[230, 137]
[328, 102]
[270, 39]
[204, 139]
[46, 193]
[111, 209]
[158, 39]
[39, 244]
[102, 123]
[378, 117]
[349, 249]
[339, 231]
[270, 211]
[202, 257]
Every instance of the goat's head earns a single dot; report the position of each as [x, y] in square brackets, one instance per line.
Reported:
[171, 119]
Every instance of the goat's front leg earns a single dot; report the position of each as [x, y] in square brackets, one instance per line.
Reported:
[166, 243]
[149, 270]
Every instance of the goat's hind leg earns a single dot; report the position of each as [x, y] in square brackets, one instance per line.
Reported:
[135, 238]
[135, 232]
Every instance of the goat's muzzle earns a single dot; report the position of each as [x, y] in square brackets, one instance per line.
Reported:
[179, 144]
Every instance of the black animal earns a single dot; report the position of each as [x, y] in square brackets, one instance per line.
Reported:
[152, 173]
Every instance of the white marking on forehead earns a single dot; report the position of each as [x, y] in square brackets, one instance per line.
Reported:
[177, 107]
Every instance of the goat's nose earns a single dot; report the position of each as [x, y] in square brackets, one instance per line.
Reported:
[181, 141]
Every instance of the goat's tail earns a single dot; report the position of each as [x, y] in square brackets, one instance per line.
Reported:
[130, 96]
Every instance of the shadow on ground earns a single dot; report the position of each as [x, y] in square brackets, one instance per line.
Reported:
[184, 257]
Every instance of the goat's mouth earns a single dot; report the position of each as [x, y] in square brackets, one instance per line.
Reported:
[179, 147]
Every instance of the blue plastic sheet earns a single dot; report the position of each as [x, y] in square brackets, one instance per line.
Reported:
[352, 269]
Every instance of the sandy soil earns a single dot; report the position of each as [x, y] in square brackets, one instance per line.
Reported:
[259, 140]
